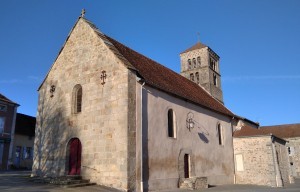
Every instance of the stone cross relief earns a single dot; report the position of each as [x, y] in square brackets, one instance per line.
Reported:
[103, 77]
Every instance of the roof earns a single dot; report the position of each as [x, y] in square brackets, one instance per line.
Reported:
[5, 99]
[165, 79]
[284, 131]
[156, 75]
[198, 45]
[281, 131]
[25, 125]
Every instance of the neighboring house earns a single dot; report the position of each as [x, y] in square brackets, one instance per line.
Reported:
[102, 105]
[8, 110]
[23, 143]
[261, 157]
[291, 133]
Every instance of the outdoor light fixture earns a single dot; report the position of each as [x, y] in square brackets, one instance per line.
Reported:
[189, 121]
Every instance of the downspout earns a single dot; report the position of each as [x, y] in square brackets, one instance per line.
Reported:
[233, 155]
[275, 161]
[141, 120]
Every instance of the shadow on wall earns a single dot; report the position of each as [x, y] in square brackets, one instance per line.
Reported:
[203, 137]
[50, 136]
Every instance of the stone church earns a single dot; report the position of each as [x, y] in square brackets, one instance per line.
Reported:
[122, 120]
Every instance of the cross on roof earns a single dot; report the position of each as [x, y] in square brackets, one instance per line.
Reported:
[82, 13]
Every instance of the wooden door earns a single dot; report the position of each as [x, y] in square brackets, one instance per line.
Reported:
[75, 157]
[186, 166]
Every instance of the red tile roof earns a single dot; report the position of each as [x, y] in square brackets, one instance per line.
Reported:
[5, 99]
[281, 131]
[25, 125]
[165, 79]
[195, 47]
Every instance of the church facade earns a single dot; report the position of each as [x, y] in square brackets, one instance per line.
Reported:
[122, 120]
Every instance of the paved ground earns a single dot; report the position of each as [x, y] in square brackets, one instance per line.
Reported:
[19, 181]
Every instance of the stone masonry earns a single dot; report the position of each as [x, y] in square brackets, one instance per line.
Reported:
[262, 162]
[104, 126]
[206, 73]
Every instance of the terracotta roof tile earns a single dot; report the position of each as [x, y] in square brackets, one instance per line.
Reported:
[281, 131]
[195, 47]
[169, 81]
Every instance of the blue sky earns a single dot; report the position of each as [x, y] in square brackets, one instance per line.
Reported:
[257, 40]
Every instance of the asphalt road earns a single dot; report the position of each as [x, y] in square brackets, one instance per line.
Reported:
[20, 181]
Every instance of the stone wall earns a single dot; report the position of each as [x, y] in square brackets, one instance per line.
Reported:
[164, 155]
[205, 72]
[283, 160]
[261, 160]
[254, 157]
[103, 126]
[294, 157]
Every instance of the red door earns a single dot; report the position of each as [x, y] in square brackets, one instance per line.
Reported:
[75, 157]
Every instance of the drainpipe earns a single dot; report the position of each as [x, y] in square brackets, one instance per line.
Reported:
[277, 173]
[141, 116]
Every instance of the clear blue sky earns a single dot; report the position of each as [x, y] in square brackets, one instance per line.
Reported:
[258, 42]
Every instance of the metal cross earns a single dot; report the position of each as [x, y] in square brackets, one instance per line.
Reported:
[103, 77]
[82, 13]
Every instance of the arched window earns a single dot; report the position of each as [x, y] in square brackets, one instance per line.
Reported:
[171, 124]
[215, 80]
[199, 61]
[197, 78]
[194, 62]
[190, 64]
[77, 99]
[192, 77]
[220, 133]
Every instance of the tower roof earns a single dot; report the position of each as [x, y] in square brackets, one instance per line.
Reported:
[198, 45]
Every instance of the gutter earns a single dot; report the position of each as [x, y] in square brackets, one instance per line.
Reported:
[142, 181]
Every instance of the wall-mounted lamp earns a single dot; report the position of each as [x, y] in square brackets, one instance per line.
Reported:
[189, 121]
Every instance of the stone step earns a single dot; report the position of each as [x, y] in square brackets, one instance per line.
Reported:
[64, 181]
[78, 185]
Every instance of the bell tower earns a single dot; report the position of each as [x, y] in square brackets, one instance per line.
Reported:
[200, 64]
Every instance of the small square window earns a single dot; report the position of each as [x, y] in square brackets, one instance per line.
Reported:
[3, 107]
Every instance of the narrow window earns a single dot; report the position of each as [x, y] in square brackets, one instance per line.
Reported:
[194, 62]
[291, 151]
[199, 61]
[190, 64]
[171, 124]
[3, 107]
[2, 121]
[197, 78]
[215, 80]
[77, 95]
[220, 134]
[192, 77]
[211, 63]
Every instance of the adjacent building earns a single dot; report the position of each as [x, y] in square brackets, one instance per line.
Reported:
[8, 110]
[22, 156]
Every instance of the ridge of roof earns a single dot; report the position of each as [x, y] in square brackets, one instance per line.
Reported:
[5, 99]
[169, 81]
[281, 131]
[198, 45]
